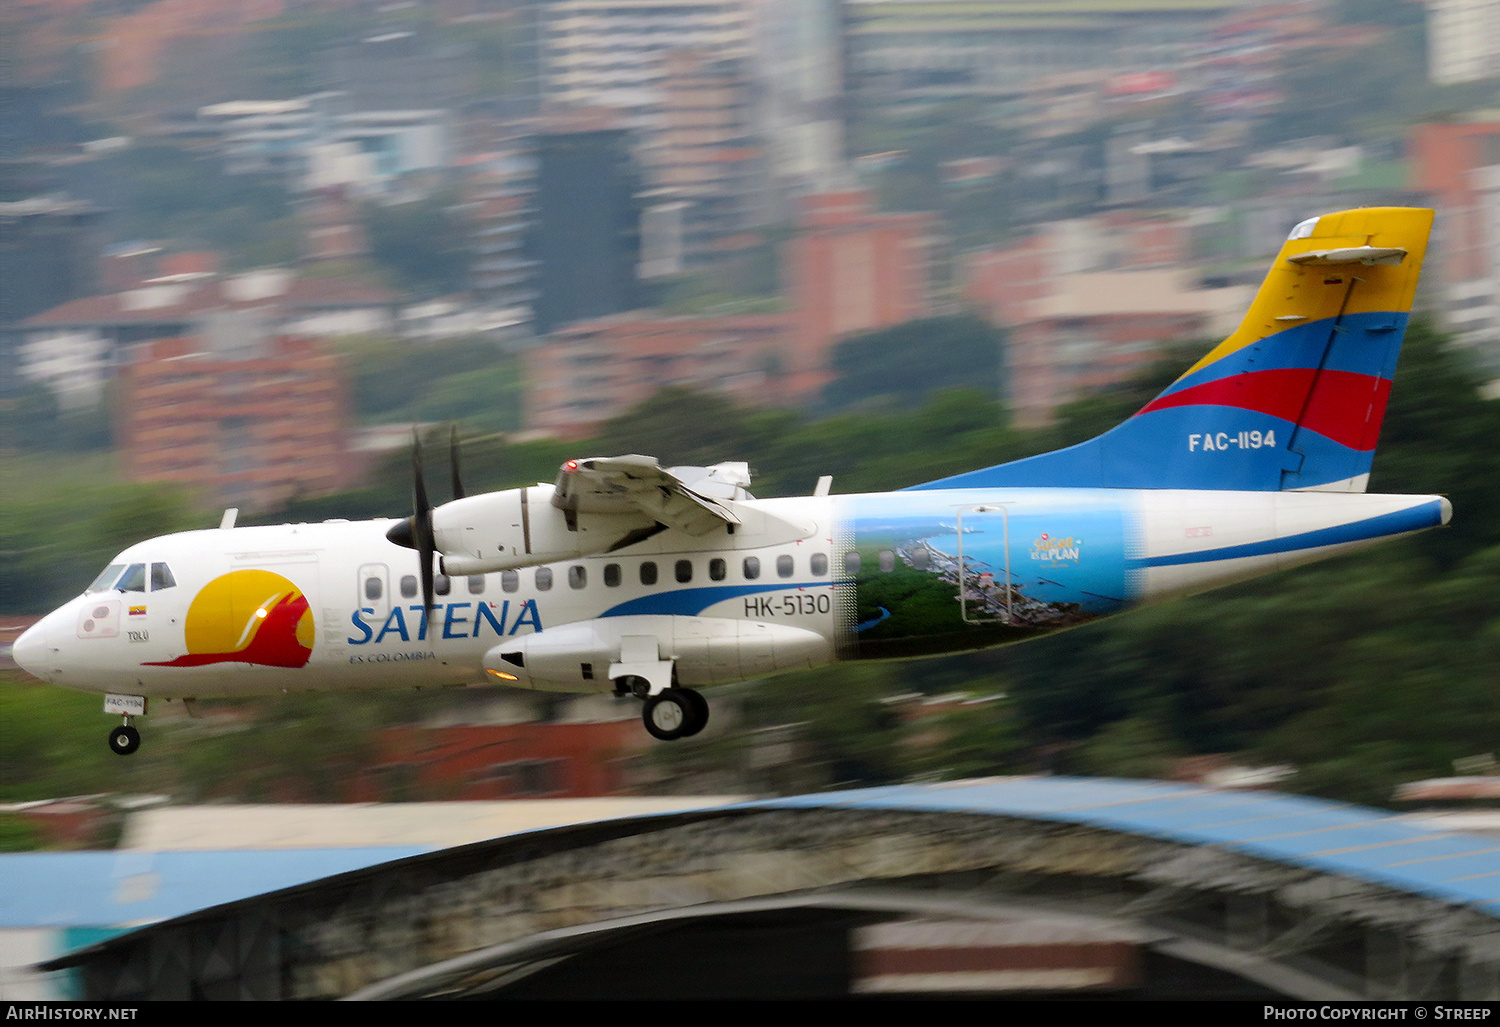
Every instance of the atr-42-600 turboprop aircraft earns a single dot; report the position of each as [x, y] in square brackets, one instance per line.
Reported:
[629, 578]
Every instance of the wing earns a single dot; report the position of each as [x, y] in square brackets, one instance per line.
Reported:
[689, 499]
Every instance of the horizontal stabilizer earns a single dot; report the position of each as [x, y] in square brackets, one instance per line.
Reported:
[1368, 255]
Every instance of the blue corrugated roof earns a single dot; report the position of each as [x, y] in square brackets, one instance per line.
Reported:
[72, 889]
[113, 889]
[1363, 843]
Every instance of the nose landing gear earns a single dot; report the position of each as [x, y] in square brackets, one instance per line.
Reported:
[124, 740]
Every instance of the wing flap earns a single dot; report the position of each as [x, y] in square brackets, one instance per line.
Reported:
[634, 482]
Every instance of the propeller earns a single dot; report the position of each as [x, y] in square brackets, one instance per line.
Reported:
[458, 486]
[416, 531]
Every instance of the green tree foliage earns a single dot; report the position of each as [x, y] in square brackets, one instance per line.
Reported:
[908, 362]
[34, 420]
[290, 54]
[1439, 437]
[171, 192]
[58, 530]
[424, 244]
[464, 379]
[1370, 92]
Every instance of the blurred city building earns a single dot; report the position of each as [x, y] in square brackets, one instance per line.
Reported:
[1457, 166]
[316, 142]
[1236, 62]
[591, 371]
[610, 53]
[909, 50]
[494, 746]
[800, 95]
[1090, 302]
[703, 163]
[850, 270]
[1463, 40]
[498, 197]
[331, 227]
[407, 64]
[47, 253]
[250, 426]
[134, 44]
[683, 77]
[584, 233]
[76, 348]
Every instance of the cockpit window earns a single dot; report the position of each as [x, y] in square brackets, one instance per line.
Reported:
[106, 578]
[133, 580]
[161, 577]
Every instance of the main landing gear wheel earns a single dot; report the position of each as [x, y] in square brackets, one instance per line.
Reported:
[700, 712]
[675, 713]
[124, 740]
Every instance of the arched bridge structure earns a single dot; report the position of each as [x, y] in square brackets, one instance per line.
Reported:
[1040, 885]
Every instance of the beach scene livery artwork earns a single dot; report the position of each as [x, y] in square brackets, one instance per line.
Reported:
[1011, 567]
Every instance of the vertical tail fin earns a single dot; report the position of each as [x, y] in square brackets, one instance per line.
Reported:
[1293, 400]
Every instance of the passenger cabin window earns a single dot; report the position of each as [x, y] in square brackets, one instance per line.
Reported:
[106, 578]
[887, 561]
[684, 571]
[752, 568]
[409, 586]
[161, 577]
[851, 562]
[543, 579]
[442, 584]
[476, 584]
[509, 581]
[612, 575]
[134, 579]
[648, 573]
[919, 559]
[373, 589]
[578, 577]
[717, 569]
[819, 564]
[784, 566]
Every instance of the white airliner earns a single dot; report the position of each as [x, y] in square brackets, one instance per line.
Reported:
[629, 578]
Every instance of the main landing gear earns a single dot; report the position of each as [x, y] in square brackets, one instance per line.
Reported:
[671, 713]
[675, 713]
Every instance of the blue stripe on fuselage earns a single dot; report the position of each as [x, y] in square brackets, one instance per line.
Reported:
[690, 602]
[1428, 515]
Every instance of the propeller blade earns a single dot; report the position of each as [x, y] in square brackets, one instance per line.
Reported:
[421, 520]
[458, 485]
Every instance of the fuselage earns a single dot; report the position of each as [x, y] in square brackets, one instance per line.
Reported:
[797, 583]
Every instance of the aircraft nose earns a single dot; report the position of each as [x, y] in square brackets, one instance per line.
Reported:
[30, 650]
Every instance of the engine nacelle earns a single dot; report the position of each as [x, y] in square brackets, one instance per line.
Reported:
[588, 655]
[501, 531]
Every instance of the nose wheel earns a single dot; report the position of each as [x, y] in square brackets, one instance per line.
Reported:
[124, 740]
[675, 713]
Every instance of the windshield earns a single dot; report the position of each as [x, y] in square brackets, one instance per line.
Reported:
[106, 578]
[133, 580]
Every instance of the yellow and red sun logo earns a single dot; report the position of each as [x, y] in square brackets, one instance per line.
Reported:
[247, 616]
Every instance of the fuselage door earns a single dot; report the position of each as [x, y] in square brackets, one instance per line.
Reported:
[984, 579]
